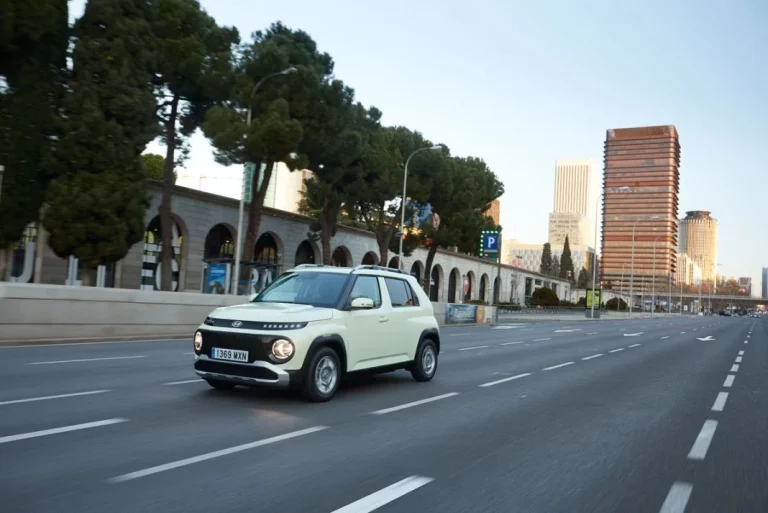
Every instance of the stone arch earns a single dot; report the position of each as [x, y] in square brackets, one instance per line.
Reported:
[370, 258]
[151, 278]
[454, 280]
[417, 271]
[436, 283]
[268, 249]
[394, 262]
[484, 285]
[469, 285]
[306, 253]
[496, 290]
[341, 257]
[219, 242]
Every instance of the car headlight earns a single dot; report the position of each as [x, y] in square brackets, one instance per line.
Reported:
[282, 349]
[198, 340]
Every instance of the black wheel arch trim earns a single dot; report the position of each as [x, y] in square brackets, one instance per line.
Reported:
[333, 341]
[432, 334]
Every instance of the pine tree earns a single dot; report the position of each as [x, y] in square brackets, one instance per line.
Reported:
[566, 262]
[556, 270]
[584, 278]
[546, 259]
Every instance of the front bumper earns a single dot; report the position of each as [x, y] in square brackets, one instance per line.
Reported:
[257, 373]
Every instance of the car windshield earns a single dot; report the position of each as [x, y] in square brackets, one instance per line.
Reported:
[321, 289]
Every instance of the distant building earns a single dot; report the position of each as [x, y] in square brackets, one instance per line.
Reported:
[641, 186]
[528, 256]
[577, 188]
[494, 211]
[698, 238]
[745, 285]
[764, 282]
[687, 271]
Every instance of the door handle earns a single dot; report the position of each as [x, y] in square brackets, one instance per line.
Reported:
[383, 319]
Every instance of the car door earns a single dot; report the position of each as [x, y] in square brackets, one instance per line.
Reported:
[403, 332]
[365, 338]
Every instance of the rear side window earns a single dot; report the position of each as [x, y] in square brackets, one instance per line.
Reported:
[400, 293]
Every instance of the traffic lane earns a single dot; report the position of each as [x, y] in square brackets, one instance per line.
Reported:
[582, 438]
[733, 474]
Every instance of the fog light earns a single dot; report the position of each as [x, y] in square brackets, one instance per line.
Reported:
[282, 349]
[198, 341]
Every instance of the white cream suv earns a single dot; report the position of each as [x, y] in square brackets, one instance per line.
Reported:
[316, 324]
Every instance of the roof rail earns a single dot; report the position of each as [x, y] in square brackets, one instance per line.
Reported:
[308, 265]
[380, 268]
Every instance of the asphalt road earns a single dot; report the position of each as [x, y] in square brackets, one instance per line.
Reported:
[613, 416]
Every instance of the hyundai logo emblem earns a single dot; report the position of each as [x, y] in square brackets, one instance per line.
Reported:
[237, 324]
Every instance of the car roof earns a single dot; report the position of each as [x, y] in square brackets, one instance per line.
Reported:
[383, 271]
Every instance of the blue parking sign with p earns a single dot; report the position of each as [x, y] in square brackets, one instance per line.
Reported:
[490, 242]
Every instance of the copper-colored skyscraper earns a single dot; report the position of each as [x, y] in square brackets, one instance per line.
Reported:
[641, 182]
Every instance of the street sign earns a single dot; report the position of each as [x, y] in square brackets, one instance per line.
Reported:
[489, 243]
[248, 173]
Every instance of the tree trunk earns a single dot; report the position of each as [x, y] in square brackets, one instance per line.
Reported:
[383, 248]
[255, 209]
[328, 218]
[428, 267]
[166, 221]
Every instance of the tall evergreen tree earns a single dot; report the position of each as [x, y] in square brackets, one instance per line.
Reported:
[566, 262]
[546, 259]
[96, 207]
[556, 268]
[584, 278]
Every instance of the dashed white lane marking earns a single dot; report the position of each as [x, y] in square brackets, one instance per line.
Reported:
[512, 343]
[592, 357]
[677, 498]
[682, 333]
[499, 382]
[415, 403]
[88, 360]
[56, 431]
[741, 353]
[541, 339]
[735, 368]
[746, 341]
[557, 366]
[662, 338]
[385, 495]
[212, 455]
[720, 401]
[47, 397]
[616, 350]
[729, 381]
[471, 348]
[198, 380]
[635, 345]
[701, 445]
[593, 333]
[738, 359]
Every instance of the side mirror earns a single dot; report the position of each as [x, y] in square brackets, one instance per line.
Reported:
[361, 303]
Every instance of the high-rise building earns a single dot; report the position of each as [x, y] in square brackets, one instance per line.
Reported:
[577, 187]
[698, 239]
[528, 256]
[494, 211]
[764, 282]
[687, 271]
[640, 203]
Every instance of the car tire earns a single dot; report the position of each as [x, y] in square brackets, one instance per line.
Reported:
[220, 385]
[425, 364]
[323, 376]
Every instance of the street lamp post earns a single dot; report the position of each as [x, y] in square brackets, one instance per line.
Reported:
[2, 170]
[402, 206]
[241, 208]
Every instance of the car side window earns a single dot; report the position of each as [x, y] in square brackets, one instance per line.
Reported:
[366, 286]
[400, 293]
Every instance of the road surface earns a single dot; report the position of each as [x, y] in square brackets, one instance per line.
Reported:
[636, 416]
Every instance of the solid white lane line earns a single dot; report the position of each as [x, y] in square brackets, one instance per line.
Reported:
[512, 378]
[735, 368]
[729, 381]
[215, 454]
[473, 347]
[701, 445]
[636, 345]
[616, 350]
[385, 495]
[662, 338]
[741, 353]
[415, 403]
[56, 431]
[47, 397]
[677, 498]
[511, 343]
[738, 359]
[198, 380]
[592, 357]
[541, 339]
[88, 360]
[557, 366]
[720, 401]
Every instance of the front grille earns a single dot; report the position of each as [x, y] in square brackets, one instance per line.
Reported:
[234, 369]
[257, 345]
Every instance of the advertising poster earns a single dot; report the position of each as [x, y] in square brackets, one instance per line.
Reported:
[460, 314]
[217, 278]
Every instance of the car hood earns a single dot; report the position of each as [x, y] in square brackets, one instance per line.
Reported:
[273, 312]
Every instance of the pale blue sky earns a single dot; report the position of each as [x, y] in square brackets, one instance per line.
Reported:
[522, 84]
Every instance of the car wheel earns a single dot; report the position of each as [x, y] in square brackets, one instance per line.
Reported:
[425, 365]
[220, 385]
[323, 376]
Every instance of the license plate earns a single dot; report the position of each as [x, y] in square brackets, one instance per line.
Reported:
[232, 355]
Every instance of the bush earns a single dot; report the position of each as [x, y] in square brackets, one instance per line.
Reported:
[567, 303]
[612, 303]
[545, 297]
